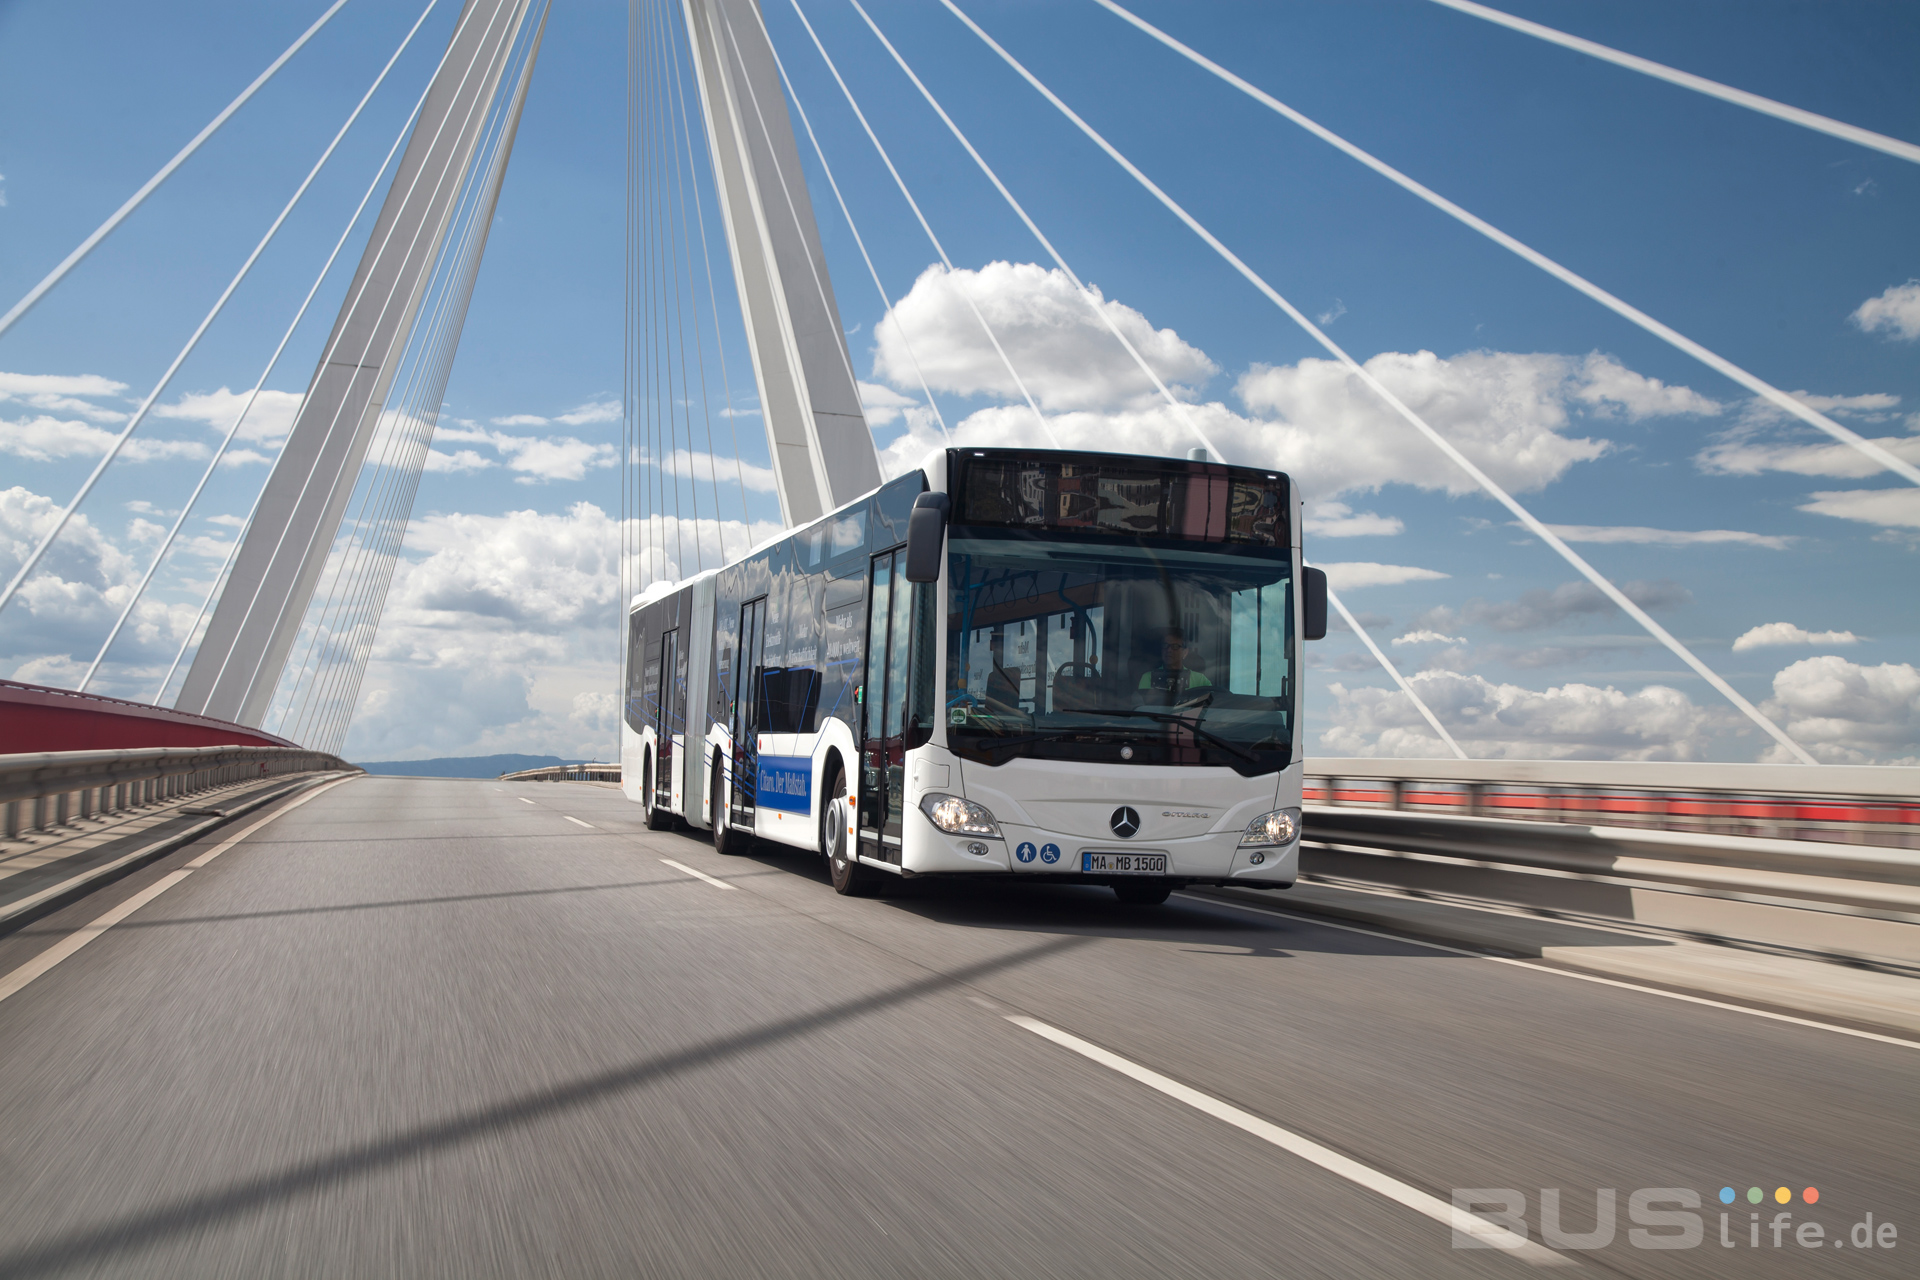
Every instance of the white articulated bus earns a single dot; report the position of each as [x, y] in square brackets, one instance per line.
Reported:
[1007, 663]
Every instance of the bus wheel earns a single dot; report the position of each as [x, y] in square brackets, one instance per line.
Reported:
[849, 877]
[1141, 893]
[726, 841]
[656, 817]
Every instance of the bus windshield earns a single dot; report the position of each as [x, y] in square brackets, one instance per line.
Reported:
[1150, 650]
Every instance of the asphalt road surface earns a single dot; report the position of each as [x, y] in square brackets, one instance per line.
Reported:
[442, 1028]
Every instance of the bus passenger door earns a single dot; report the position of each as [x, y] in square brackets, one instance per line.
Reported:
[748, 699]
[669, 701]
[883, 707]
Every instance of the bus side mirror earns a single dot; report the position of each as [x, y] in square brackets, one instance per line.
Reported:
[926, 532]
[1313, 599]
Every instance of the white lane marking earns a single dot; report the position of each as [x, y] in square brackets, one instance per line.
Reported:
[1309, 918]
[523, 800]
[701, 875]
[576, 822]
[1306, 1148]
[80, 937]
[233, 840]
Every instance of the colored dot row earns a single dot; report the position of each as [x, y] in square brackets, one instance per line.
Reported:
[1781, 1195]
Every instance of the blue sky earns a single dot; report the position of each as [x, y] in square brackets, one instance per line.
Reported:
[1756, 238]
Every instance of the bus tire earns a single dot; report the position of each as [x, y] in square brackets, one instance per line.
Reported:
[849, 877]
[656, 817]
[726, 841]
[1141, 893]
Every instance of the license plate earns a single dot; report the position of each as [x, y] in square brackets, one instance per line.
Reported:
[1124, 864]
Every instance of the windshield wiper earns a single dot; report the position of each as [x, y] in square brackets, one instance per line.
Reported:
[1205, 735]
[1163, 717]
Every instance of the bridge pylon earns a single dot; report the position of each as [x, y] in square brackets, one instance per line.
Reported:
[238, 665]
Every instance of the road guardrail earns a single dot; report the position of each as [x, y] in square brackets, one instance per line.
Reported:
[50, 788]
[591, 772]
[1818, 860]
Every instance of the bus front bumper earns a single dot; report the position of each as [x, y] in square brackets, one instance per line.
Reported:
[1031, 853]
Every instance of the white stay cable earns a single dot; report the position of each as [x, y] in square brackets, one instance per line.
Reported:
[1406, 688]
[925, 226]
[140, 415]
[1179, 409]
[135, 200]
[1086, 295]
[885, 301]
[1699, 84]
[1718, 363]
[406, 128]
[167, 543]
[1414, 420]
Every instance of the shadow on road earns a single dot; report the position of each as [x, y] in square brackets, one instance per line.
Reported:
[196, 1213]
[1081, 910]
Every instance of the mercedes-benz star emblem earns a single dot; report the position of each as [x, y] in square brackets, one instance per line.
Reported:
[1125, 822]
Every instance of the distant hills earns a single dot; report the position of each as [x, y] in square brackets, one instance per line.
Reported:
[460, 766]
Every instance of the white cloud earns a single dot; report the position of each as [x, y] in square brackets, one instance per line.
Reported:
[64, 610]
[704, 468]
[1352, 575]
[1539, 608]
[1511, 414]
[1896, 312]
[1771, 634]
[459, 462]
[501, 632]
[268, 422]
[64, 393]
[591, 412]
[1892, 508]
[1427, 637]
[537, 458]
[1767, 438]
[1331, 314]
[1643, 536]
[1845, 713]
[1515, 415]
[1611, 389]
[883, 405]
[1507, 721]
[1338, 520]
[1066, 356]
[1747, 451]
[45, 439]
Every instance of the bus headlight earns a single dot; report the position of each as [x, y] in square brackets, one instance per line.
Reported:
[1278, 827]
[959, 817]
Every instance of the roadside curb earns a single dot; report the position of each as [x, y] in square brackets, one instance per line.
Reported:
[53, 897]
[1878, 1001]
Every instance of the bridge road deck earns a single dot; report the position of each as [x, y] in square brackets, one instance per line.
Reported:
[448, 1028]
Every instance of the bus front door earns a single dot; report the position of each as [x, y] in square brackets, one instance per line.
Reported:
[669, 702]
[750, 697]
[883, 707]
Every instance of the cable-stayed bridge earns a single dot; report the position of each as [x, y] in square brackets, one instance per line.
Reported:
[513, 1026]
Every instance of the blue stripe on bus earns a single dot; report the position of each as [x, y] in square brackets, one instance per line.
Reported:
[785, 782]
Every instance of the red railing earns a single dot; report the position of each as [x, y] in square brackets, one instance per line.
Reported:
[40, 718]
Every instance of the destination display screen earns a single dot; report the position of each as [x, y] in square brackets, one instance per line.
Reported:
[1127, 497]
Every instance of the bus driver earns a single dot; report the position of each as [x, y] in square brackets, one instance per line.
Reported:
[1172, 678]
